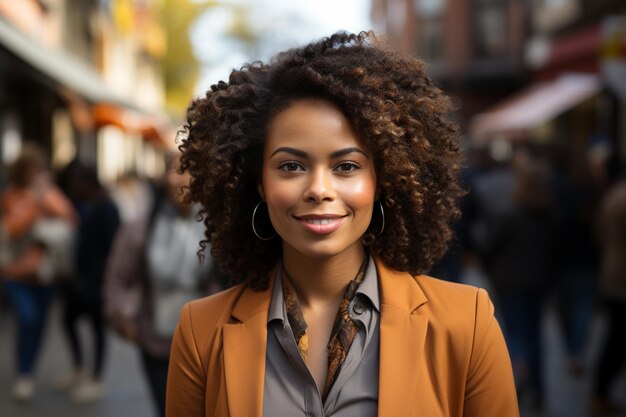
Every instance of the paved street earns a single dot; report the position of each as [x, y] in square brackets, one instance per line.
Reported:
[127, 395]
[568, 396]
[126, 392]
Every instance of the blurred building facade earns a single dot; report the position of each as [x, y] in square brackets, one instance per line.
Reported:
[524, 72]
[83, 79]
[474, 49]
[572, 44]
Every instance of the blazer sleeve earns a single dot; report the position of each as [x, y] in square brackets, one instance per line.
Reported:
[490, 389]
[186, 381]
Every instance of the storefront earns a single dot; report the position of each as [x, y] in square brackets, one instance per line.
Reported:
[574, 111]
[52, 98]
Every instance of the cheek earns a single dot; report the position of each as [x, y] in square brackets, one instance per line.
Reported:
[360, 193]
[279, 200]
[279, 195]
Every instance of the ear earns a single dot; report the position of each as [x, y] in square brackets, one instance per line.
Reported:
[259, 188]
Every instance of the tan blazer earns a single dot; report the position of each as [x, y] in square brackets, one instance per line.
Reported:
[441, 352]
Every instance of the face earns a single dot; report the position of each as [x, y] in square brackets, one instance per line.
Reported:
[318, 180]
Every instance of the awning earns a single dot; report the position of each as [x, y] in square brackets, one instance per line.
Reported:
[57, 65]
[579, 48]
[536, 105]
[75, 78]
[152, 127]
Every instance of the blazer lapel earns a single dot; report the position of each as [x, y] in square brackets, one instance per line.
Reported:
[402, 336]
[245, 343]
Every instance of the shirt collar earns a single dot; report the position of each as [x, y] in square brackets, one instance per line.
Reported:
[277, 305]
[368, 288]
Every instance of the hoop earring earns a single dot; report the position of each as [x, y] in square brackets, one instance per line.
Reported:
[254, 227]
[382, 214]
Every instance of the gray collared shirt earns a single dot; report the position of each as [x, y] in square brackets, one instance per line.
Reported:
[290, 389]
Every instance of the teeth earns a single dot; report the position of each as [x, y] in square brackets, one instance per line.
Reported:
[320, 221]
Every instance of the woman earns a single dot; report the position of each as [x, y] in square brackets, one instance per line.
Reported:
[36, 221]
[339, 159]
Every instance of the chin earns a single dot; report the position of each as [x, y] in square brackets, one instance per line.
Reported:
[324, 250]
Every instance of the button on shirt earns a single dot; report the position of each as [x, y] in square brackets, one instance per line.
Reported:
[290, 389]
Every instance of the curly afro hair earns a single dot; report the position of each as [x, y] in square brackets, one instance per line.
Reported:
[393, 106]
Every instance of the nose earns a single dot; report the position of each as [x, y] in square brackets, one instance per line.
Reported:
[320, 187]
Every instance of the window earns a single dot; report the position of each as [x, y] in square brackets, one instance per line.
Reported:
[430, 30]
[490, 29]
[550, 15]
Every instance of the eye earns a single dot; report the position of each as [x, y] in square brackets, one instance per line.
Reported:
[290, 166]
[347, 167]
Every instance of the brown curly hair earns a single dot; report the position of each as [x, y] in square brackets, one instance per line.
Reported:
[393, 106]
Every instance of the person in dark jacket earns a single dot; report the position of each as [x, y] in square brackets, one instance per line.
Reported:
[99, 221]
[519, 249]
[612, 356]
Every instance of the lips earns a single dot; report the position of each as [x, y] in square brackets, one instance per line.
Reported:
[321, 224]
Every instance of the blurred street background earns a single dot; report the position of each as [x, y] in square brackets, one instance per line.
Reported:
[92, 93]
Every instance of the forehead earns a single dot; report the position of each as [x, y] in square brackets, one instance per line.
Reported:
[309, 123]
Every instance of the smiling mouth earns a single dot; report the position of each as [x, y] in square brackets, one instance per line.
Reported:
[321, 224]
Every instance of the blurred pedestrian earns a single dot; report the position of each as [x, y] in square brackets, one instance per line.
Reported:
[613, 291]
[490, 197]
[576, 265]
[133, 196]
[153, 271]
[520, 247]
[36, 229]
[99, 221]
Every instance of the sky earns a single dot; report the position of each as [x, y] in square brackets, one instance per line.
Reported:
[279, 24]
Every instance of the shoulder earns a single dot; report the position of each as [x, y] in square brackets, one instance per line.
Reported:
[134, 232]
[461, 321]
[458, 308]
[422, 294]
[450, 307]
[128, 238]
[14, 196]
[107, 206]
[445, 293]
[201, 322]
[222, 301]
[8, 193]
[207, 315]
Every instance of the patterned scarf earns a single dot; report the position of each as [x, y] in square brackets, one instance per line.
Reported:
[344, 328]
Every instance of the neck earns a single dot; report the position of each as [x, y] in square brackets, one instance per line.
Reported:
[321, 280]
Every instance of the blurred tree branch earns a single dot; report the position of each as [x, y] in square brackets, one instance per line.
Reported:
[180, 65]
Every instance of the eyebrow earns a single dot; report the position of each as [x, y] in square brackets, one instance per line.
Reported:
[302, 154]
